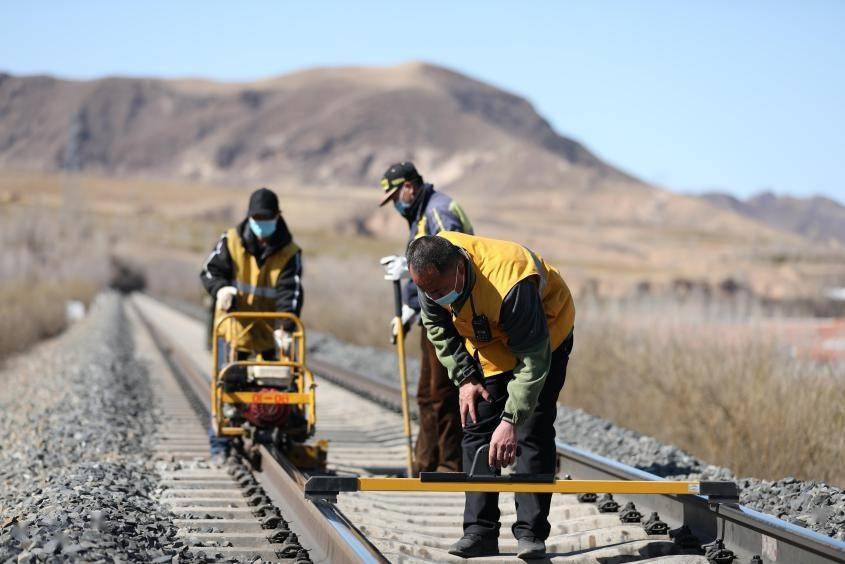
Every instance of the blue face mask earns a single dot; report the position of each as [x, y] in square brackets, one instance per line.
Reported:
[449, 298]
[401, 206]
[263, 228]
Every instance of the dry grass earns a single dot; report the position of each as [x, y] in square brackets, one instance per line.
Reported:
[47, 260]
[742, 403]
[346, 294]
[32, 312]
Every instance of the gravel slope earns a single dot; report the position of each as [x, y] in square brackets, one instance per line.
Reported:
[77, 423]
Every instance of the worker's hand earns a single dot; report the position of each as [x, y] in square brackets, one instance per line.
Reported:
[225, 297]
[283, 340]
[502, 446]
[395, 267]
[409, 316]
[467, 394]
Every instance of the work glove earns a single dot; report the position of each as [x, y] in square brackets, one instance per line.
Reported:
[225, 297]
[283, 340]
[395, 267]
[409, 317]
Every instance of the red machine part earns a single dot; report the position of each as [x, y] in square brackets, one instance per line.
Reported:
[267, 415]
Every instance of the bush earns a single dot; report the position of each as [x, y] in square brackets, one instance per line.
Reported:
[739, 401]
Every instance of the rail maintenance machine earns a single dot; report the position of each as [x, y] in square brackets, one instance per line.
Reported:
[261, 389]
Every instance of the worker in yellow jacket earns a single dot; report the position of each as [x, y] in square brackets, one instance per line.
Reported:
[255, 266]
[501, 320]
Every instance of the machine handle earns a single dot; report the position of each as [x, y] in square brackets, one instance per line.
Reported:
[397, 298]
[397, 308]
[482, 449]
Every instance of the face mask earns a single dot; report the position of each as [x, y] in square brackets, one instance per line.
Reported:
[401, 206]
[264, 228]
[449, 298]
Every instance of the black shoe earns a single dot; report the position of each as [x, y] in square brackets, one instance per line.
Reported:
[470, 546]
[529, 548]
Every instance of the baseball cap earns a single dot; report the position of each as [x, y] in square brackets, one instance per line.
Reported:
[397, 175]
[263, 202]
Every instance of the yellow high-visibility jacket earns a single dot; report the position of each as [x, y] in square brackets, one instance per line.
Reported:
[497, 267]
[256, 287]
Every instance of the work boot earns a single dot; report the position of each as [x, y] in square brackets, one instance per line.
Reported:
[470, 546]
[529, 548]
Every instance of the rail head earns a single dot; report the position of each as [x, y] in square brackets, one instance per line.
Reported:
[751, 532]
[325, 525]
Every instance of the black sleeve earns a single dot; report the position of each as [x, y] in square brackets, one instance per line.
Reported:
[289, 293]
[409, 295]
[522, 317]
[217, 270]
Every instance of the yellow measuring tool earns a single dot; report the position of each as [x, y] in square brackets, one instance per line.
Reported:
[327, 487]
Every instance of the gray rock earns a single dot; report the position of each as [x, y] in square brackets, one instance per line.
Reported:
[79, 431]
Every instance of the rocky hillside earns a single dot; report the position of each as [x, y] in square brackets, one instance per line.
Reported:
[335, 125]
[817, 218]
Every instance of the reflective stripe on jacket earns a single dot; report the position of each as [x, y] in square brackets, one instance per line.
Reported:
[256, 287]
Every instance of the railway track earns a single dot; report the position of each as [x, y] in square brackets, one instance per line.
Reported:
[358, 416]
[230, 512]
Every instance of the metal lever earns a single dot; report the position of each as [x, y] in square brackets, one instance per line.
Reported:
[478, 453]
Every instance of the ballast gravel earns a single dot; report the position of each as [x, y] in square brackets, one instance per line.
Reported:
[77, 421]
[814, 505]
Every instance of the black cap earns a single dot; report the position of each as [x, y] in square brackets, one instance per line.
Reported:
[263, 202]
[397, 175]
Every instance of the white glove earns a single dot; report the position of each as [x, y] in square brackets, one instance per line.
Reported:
[225, 296]
[395, 267]
[409, 316]
[283, 339]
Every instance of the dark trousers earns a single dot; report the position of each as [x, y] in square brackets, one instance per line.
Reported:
[438, 446]
[536, 437]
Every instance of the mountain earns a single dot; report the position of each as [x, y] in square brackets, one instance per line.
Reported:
[817, 218]
[322, 138]
[327, 125]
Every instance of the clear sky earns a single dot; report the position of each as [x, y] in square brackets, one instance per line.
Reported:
[732, 95]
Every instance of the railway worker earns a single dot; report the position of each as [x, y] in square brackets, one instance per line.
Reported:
[256, 266]
[501, 320]
[428, 212]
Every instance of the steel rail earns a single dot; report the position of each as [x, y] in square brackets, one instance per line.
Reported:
[321, 527]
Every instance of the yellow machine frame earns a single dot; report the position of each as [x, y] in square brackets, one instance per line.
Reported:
[306, 396]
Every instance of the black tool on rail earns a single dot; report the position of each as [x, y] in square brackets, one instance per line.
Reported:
[473, 476]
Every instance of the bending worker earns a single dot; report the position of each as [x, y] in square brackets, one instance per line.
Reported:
[501, 321]
[256, 266]
[428, 212]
